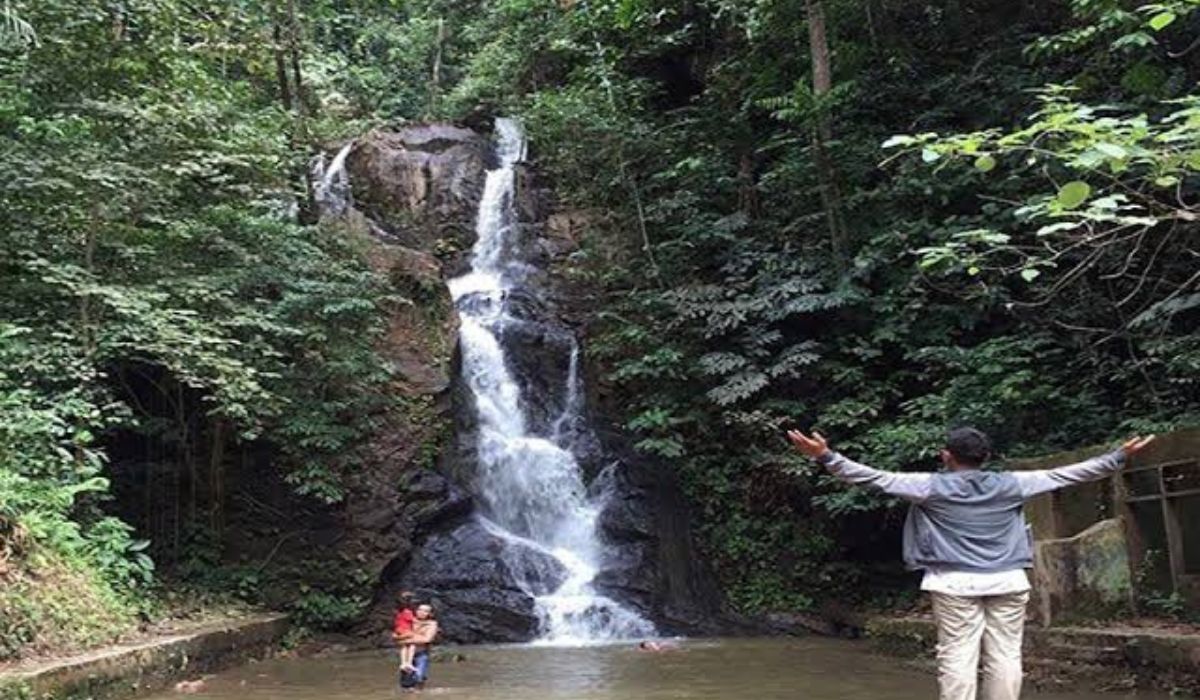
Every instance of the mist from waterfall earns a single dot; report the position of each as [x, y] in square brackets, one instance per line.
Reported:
[530, 486]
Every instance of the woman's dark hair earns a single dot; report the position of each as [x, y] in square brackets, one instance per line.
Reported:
[969, 446]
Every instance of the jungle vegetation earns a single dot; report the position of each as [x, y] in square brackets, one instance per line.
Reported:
[876, 217]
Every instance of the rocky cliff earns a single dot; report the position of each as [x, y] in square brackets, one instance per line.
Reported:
[414, 197]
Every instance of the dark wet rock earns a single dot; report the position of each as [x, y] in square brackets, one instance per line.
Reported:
[539, 357]
[431, 500]
[436, 138]
[471, 556]
[478, 581]
[628, 516]
[629, 575]
[803, 623]
[651, 561]
[531, 201]
[476, 615]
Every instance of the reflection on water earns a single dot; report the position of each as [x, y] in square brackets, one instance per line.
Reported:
[754, 669]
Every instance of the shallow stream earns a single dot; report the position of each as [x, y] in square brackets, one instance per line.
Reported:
[753, 669]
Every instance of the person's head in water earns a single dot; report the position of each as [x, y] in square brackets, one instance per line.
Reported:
[407, 600]
[424, 611]
[966, 448]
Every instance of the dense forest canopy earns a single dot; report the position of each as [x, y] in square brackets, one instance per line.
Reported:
[876, 217]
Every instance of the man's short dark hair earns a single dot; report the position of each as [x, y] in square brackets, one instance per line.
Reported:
[969, 446]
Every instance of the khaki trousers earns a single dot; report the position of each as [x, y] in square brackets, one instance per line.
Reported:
[965, 625]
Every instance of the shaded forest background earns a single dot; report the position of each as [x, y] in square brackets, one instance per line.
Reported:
[877, 217]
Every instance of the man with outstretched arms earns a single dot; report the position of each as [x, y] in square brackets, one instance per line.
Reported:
[966, 530]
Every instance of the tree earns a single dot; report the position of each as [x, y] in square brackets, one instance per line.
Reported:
[822, 85]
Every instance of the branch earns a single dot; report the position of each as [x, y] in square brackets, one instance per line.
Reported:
[1146, 269]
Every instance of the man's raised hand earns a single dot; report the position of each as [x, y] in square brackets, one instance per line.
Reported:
[1135, 444]
[813, 447]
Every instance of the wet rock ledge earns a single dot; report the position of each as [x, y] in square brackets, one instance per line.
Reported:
[125, 670]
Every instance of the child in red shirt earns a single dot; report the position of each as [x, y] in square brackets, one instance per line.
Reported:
[402, 629]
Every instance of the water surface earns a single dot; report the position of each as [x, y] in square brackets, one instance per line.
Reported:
[753, 669]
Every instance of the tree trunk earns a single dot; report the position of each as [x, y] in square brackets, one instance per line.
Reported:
[281, 76]
[87, 325]
[871, 31]
[818, 44]
[188, 452]
[216, 478]
[435, 83]
[294, 51]
[822, 77]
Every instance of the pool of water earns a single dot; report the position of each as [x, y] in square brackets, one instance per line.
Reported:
[755, 669]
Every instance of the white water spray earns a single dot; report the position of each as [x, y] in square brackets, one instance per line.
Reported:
[331, 183]
[531, 487]
[573, 404]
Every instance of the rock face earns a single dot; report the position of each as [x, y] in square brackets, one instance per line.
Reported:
[421, 184]
[479, 582]
[416, 193]
[653, 565]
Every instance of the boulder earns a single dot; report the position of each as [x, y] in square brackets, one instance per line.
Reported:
[539, 357]
[421, 184]
[480, 615]
[482, 584]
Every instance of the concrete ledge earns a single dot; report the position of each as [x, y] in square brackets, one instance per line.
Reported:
[1147, 654]
[127, 669]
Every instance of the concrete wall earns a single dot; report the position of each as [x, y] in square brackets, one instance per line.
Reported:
[1091, 658]
[1090, 544]
[1083, 577]
[130, 669]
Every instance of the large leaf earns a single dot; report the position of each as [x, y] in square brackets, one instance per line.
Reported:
[1073, 194]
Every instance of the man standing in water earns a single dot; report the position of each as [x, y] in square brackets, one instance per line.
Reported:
[966, 530]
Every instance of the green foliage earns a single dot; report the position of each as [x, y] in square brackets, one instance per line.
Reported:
[156, 283]
[1154, 591]
[1127, 29]
[320, 610]
[1034, 276]
[1032, 279]
[70, 574]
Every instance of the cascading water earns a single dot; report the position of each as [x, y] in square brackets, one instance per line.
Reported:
[530, 486]
[331, 183]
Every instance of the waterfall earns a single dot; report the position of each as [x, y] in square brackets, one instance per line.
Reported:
[331, 183]
[573, 403]
[530, 487]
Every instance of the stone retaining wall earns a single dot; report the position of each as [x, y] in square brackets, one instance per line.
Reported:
[138, 667]
[1112, 657]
